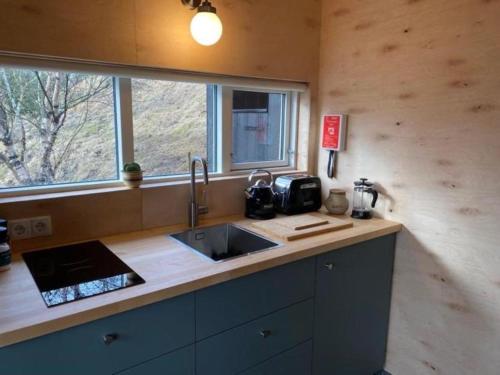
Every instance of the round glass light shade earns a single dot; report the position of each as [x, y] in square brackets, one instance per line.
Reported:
[206, 28]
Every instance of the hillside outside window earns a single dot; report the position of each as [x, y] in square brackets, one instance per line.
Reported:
[62, 129]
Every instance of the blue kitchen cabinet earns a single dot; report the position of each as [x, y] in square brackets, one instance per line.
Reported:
[296, 361]
[352, 305]
[106, 345]
[179, 362]
[238, 301]
[241, 348]
[323, 315]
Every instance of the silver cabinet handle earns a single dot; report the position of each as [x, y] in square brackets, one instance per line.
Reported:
[265, 333]
[109, 338]
[330, 266]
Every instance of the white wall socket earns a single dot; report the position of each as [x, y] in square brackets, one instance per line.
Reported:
[19, 229]
[41, 226]
[31, 227]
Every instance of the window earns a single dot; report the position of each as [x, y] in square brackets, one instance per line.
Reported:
[172, 120]
[55, 127]
[259, 129]
[61, 127]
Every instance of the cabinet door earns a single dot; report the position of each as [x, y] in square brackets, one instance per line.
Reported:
[141, 334]
[352, 305]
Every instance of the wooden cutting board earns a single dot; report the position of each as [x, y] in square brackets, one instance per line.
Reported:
[301, 226]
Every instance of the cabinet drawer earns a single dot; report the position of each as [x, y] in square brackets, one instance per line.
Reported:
[180, 362]
[245, 346]
[296, 361]
[227, 305]
[142, 334]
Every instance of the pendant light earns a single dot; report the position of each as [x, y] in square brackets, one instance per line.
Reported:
[206, 27]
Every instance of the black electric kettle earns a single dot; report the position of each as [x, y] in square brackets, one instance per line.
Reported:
[260, 197]
[363, 199]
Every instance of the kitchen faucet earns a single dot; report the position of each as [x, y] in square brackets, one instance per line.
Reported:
[196, 209]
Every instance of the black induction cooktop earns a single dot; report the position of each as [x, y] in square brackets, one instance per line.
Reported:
[69, 273]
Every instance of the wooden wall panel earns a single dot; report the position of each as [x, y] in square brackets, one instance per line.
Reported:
[421, 82]
[101, 30]
[257, 38]
[256, 41]
[79, 217]
[170, 205]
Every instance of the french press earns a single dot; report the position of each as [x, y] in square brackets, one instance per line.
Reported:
[363, 199]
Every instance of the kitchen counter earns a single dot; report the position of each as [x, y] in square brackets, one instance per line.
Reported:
[169, 268]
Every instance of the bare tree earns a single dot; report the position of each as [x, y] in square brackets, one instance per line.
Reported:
[10, 121]
[37, 105]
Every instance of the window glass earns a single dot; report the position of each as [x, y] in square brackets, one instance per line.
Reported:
[172, 119]
[55, 127]
[258, 126]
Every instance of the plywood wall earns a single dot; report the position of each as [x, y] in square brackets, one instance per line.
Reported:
[256, 40]
[420, 80]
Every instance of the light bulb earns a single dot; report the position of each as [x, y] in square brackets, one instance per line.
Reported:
[206, 28]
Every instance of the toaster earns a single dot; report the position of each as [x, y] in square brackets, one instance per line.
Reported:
[296, 194]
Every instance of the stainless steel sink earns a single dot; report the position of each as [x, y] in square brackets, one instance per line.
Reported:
[224, 241]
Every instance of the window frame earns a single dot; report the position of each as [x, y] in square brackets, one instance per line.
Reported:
[122, 93]
[288, 147]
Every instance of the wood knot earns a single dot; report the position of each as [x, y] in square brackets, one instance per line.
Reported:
[429, 365]
[456, 62]
[388, 48]
[469, 211]
[444, 162]
[482, 108]
[382, 137]
[336, 93]
[363, 26]
[459, 84]
[458, 307]
[406, 96]
[341, 12]
[311, 23]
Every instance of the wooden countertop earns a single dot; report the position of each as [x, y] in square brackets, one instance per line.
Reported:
[169, 268]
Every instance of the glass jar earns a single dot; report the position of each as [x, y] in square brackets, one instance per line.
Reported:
[5, 254]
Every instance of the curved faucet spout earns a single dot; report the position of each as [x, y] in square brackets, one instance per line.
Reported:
[194, 208]
[204, 164]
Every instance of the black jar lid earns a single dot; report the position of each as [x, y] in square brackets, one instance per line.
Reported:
[4, 234]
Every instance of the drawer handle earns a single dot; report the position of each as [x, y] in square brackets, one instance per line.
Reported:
[330, 266]
[109, 338]
[265, 333]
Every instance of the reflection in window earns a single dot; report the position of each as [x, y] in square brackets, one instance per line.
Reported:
[258, 126]
[87, 289]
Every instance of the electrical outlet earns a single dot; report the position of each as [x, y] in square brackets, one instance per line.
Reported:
[19, 229]
[41, 226]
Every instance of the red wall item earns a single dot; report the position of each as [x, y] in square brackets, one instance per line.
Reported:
[333, 132]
